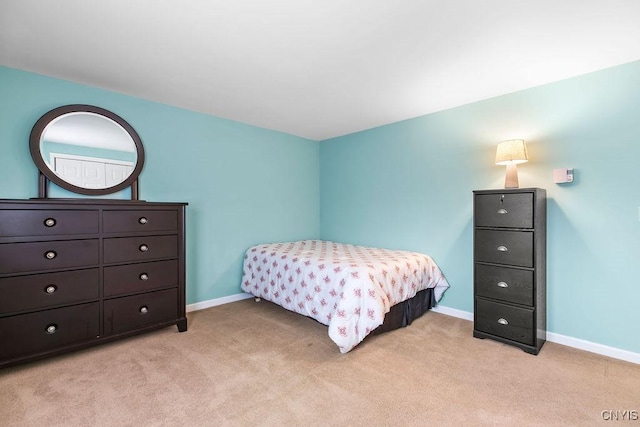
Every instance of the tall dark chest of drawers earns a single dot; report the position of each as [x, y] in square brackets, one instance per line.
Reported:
[510, 266]
[78, 273]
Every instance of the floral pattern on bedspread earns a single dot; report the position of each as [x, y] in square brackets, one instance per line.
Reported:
[348, 288]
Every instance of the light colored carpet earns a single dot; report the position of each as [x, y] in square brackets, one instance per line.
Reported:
[250, 363]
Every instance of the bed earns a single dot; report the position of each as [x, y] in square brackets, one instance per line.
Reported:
[354, 290]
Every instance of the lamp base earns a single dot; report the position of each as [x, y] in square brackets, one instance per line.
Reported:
[511, 176]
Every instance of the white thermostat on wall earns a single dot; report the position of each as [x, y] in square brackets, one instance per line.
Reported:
[561, 176]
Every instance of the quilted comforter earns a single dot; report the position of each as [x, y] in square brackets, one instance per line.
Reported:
[348, 288]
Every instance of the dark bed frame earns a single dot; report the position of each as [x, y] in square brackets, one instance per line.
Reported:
[405, 312]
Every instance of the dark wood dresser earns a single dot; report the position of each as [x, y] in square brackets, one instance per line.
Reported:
[510, 266]
[79, 272]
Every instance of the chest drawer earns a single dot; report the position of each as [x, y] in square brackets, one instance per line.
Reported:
[142, 248]
[506, 284]
[504, 247]
[139, 221]
[48, 330]
[27, 222]
[39, 256]
[71, 268]
[129, 313]
[124, 279]
[37, 291]
[504, 210]
[505, 321]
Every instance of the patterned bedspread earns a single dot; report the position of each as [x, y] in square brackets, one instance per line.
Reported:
[348, 288]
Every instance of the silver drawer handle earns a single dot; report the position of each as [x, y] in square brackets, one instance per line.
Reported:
[502, 211]
[50, 255]
[144, 309]
[503, 321]
[144, 276]
[502, 284]
[144, 248]
[52, 328]
[50, 289]
[49, 222]
[502, 248]
[143, 220]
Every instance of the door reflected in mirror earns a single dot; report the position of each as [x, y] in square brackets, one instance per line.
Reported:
[88, 150]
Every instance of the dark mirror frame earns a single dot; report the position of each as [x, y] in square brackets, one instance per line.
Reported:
[46, 174]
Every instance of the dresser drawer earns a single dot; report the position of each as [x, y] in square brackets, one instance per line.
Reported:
[129, 313]
[48, 330]
[38, 256]
[123, 249]
[124, 279]
[27, 222]
[139, 220]
[504, 210]
[38, 291]
[504, 247]
[506, 284]
[505, 321]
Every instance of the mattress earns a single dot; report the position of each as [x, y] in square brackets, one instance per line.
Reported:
[346, 287]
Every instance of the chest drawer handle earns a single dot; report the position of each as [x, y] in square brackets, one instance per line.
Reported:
[50, 289]
[503, 285]
[503, 321]
[144, 309]
[50, 255]
[144, 276]
[502, 211]
[52, 328]
[143, 220]
[144, 248]
[502, 248]
[50, 222]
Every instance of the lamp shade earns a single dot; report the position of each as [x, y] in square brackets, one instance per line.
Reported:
[511, 152]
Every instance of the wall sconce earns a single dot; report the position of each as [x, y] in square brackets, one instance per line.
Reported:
[510, 153]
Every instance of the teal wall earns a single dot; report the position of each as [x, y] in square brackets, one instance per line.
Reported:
[244, 185]
[408, 185]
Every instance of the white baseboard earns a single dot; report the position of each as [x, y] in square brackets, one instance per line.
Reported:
[592, 347]
[453, 312]
[589, 346]
[217, 301]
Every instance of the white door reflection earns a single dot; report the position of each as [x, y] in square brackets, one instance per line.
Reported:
[90, 172]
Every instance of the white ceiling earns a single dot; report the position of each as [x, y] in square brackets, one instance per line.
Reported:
[317, 68]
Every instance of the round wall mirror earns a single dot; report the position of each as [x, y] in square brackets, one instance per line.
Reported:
[87, 150]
